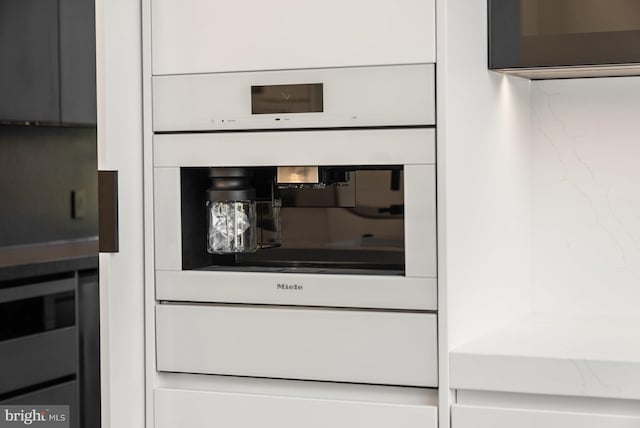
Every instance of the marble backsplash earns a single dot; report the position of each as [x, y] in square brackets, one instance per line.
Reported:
[586, 196]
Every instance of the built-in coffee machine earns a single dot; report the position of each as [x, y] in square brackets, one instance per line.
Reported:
[304, 219]
[290, 206]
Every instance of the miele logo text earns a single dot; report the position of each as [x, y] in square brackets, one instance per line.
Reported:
[282, 286]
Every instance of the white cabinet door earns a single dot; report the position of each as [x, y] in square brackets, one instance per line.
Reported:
[491, 417]
[199, 409]
[390, 348]
[119, 106]
[204, 36]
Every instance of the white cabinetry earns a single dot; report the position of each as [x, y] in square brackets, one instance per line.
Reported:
[493, 417]
[318, 344]
[199, 409]
[205, 36]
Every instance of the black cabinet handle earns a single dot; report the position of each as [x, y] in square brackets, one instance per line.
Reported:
[108, 211]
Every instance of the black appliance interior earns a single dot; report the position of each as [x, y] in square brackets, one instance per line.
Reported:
[351, 223]
[544, 33]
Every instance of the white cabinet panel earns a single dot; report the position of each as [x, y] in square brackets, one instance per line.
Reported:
[408, 146]
[343, 291]
[391, 348]
[203, 36]
[491, 417]
[420, 221]
[199, 409]
[397, 95]
[167, 211]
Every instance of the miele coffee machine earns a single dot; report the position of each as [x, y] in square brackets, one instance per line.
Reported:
[309, 219]
[299, 199]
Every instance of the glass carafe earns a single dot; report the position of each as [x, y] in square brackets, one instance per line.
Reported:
[231, 212]
[232, 227]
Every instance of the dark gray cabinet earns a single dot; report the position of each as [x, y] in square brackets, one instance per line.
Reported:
[77, 62]
[47, 62]
[50, 343]
[88, 307]
[29, 68]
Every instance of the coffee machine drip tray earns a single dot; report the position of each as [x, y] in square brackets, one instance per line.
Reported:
[317, 261]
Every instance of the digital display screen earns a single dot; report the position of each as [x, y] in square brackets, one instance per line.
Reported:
[273, 99]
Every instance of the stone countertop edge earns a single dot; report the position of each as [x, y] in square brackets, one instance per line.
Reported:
[555, 355]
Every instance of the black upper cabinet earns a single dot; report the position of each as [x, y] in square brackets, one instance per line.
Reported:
[77, 62]
[47, 62]
[29, 69]
[600, 35]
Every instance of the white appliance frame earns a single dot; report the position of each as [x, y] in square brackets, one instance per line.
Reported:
[391, 95]
[414, 148]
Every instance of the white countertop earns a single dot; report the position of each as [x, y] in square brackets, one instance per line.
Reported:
[553, 355]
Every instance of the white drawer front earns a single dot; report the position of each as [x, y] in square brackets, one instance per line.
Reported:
[198, 409]
[391, 348]
[491, 417]
[203, 36]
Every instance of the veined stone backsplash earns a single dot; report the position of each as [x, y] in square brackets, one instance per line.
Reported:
[586, 195]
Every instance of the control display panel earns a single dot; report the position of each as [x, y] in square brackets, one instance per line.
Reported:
[275, 99]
